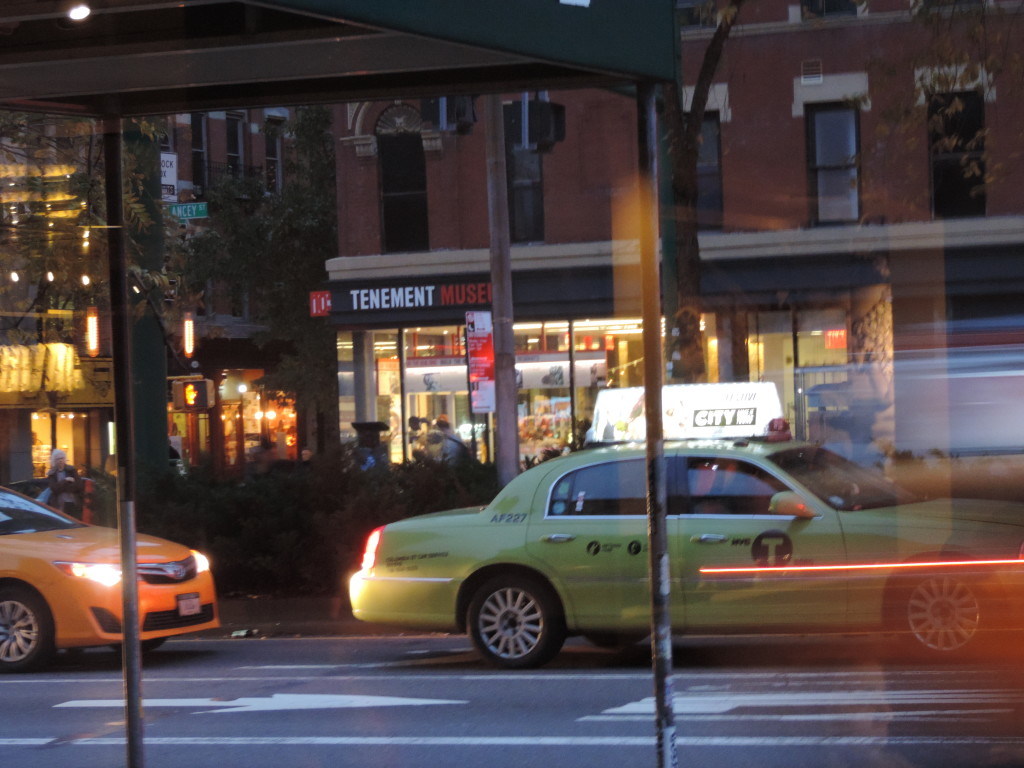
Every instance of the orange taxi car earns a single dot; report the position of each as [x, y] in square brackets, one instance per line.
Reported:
[60, 585]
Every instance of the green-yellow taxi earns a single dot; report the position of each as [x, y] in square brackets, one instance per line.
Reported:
[764, 537]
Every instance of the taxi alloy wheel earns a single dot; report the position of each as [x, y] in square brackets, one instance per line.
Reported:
[516, 622]
[26, 630]
[943, 613]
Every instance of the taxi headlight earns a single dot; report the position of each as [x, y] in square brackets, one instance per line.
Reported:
[202, 561]
[102, 573]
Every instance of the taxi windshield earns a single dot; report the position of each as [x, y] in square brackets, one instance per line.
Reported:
[839, 482]
[21, 515]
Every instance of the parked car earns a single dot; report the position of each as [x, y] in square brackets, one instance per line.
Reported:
[60, 585]
[764, 537]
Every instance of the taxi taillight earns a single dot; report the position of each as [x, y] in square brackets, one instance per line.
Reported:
[370, 553]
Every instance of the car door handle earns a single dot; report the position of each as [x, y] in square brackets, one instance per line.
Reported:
[709, 538]
[558, 538]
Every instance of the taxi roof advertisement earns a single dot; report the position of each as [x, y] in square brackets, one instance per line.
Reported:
[689, 411]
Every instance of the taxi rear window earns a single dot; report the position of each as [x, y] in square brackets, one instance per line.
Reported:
[612, 488]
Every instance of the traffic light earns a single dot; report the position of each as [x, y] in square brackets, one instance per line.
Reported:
[192, 394]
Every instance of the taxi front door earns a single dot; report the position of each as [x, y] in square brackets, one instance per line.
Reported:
[733, 557]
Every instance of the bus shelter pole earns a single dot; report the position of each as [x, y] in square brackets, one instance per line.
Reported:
[121, 332]
[657, 534]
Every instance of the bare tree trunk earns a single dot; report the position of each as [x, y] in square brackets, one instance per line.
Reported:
[685, 348]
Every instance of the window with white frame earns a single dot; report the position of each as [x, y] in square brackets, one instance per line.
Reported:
[833, 163]
[273, 154]
[234, 124]
[956, 136]
[199, 164]
[709, 173]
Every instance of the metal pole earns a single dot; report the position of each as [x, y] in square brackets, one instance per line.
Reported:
[121, 332]
[506, 441]
[657, 534]
[403, 408]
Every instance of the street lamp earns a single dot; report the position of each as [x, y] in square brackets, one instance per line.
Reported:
[92, 331]
[188, 335]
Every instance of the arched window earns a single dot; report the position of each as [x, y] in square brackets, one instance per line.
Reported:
[403, 180]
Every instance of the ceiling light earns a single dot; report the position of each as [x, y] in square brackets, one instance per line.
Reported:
[79, 12]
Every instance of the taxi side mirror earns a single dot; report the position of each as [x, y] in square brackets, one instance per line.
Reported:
[791, 504]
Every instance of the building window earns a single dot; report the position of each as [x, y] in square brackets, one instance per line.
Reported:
[817, 9]
[403, 180]
[697, 13]
[273, 152]
[167, 137]
[199, 165]
[709, 173]
[956, 135]
[234, 155]
[532, 128]
[525, 194]
[833, 144]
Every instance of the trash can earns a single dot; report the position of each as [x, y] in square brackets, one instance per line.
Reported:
[371, 450]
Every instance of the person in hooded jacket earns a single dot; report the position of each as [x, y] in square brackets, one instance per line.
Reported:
[64, 484]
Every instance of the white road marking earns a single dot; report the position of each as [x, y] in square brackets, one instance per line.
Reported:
[557, 741]
[720, 703]
[955, 715]
[277, 702]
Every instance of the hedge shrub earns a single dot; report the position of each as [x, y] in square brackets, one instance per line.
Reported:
[300, 531]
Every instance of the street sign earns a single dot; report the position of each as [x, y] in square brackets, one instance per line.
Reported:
[480, 341]
[188, 210]
[319, 303]
[169, 176]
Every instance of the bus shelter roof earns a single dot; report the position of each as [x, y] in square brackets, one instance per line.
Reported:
[147, 57]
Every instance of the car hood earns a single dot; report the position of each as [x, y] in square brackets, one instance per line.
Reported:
[961, 510]
[96, 544]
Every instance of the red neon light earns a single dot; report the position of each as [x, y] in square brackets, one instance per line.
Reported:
[835, 339]
[856, 567]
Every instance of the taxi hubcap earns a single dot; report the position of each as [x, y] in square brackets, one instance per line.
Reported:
[511, 623]
[19, 631]
[943, 613]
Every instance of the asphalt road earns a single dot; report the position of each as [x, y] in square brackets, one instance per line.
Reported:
[396, 701]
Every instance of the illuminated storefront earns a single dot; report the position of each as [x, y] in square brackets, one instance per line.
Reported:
[240, 420]
[402, 350]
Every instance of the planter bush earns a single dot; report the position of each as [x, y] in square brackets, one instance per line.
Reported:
[299, 531]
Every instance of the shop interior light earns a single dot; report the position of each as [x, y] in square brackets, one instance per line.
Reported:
[92, 331]
[49, 277]
[86, 280]
[188, 335]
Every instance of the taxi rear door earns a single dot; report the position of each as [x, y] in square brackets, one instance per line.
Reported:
[592, 540]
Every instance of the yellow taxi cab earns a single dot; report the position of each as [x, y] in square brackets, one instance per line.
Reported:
[60, 585]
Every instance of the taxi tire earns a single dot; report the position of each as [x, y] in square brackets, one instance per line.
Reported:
[27, 636]
[516, 622]
[943, 613]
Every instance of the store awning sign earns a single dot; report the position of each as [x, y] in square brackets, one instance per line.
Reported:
[480, 344]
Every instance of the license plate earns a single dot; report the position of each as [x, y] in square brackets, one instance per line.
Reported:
[189, 605]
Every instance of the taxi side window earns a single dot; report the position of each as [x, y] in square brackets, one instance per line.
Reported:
[729, 487]
[612, 488]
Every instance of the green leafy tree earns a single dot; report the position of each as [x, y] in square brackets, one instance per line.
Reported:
[268, 248]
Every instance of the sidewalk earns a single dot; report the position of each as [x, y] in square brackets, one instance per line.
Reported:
[291, 617]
